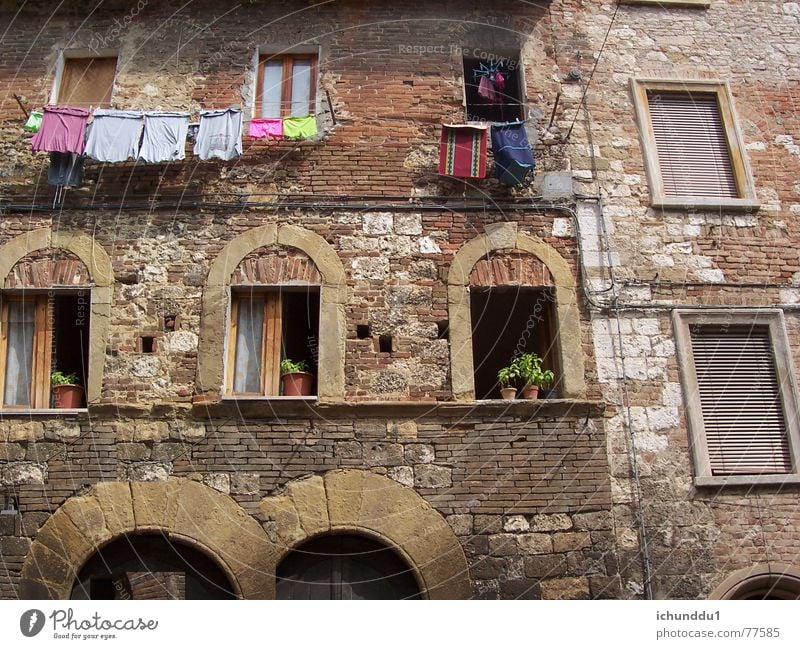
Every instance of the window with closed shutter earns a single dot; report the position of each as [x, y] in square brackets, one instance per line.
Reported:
[740, 399]
[740, 396]
[692, 146]
[693, 150]
[87, 82]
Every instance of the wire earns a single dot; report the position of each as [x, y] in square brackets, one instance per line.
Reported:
[591, 76]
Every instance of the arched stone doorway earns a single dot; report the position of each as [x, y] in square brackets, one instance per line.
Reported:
[345, 566]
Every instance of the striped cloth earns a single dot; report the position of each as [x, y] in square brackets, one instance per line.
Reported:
[463, 151]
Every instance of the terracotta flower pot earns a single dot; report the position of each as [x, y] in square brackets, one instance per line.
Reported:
[508, 393]
[297, 384]
[68, 396]
[530, 392]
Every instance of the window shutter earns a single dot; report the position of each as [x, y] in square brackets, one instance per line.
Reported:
[692, 145]
[87, 82]
[740, 399]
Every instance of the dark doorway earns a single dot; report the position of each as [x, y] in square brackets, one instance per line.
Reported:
[345, 567]
[151, 567]
[508, 321]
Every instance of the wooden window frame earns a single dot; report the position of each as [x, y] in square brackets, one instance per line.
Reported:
[271, 341]
[747, 199]
[773, 321]
[39, 389]
[75, 55]
[287, 61]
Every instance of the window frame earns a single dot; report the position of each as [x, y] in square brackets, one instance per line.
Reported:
[747, 199]
[773, 321]
[68, 55]
[470, 54]
[236, 293]
[288, 59]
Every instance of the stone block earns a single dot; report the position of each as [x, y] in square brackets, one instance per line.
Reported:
[432, 477]
[550, 522]
[565, 588]
[535, 543]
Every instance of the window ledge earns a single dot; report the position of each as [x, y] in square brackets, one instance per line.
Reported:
[703, 4]
[705, 202]
[41, 412]
[257, 407]
[747, 480]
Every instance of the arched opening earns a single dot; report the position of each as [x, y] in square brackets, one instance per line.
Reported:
[150, 566]
[764, 581]
[345, 566]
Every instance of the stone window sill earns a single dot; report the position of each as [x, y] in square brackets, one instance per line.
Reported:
[706, 203]
[41, 412]
[747, 480]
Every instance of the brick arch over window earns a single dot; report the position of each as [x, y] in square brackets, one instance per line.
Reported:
[359, 502]
[97, 271]
[505, 237]
[333, 295]
[184, 510]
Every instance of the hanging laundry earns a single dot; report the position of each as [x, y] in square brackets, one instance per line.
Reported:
[34, 122]
[164, 136]
[220, 134]
[114, 135]
[300, 127]
[66, 169]
[463, 151]
[264, 128]
[500, 87]
[63, 129]
[513, 157]
[487, 90]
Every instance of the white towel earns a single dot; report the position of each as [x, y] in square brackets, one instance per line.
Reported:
[114, 135]
[164, 138]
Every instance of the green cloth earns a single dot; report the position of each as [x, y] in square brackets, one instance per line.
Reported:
[34, 122]
[300, 127]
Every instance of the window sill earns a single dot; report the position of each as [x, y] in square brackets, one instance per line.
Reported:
[705, 202]
[260, 407]
[41, 412]
[747, 480]
[702, 4]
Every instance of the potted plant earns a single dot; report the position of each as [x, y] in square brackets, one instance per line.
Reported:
[296, 380]
[507, 376]
[529, 369]
[66, 391]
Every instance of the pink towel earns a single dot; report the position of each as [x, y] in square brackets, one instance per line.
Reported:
[62, 130]
[264, 128]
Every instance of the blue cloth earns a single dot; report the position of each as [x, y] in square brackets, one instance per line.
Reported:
[513, 157]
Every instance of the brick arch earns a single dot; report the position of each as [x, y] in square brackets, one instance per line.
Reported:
[184, 510]
[361, 502]
[216, 297]
[506, 237]
[510, 268]
[276, 265]
[46, 268]
[100, 277]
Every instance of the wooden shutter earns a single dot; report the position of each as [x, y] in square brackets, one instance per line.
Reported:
[87, 82]
[692, 145]
[740, 399]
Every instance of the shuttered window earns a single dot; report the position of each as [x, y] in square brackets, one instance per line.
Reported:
[740, 400]
[692, 145]
[87, 82]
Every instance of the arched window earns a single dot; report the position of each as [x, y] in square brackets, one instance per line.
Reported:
[345, 567]
[765, 581]
[150, 567]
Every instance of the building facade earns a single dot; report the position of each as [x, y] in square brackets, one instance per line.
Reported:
[650, 261]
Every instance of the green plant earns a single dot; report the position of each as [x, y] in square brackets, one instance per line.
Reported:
[507, 376]
[288, 366]
[59, 378]
[529, 368]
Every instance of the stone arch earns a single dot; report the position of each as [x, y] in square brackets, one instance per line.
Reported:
[365, 503]
[184, 510]
[506, 236]
[101, 277]
[333, 295]
[781, 579]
